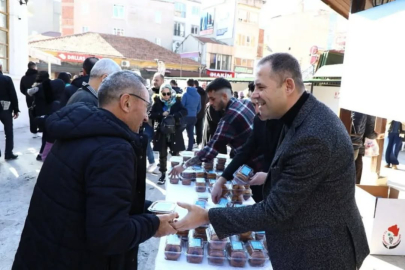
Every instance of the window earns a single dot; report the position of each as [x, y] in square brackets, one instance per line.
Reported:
[119, 12]
[85, 8]
[220, 61]
[195, 11]
[242, 15]
[118, 31]
[4, 45]
[180, 9]
[179, 29]
[244, 62]
[253, 17]
[194, 29]
[158, 41]
[158, 17]
[85, 29]
[247, 41]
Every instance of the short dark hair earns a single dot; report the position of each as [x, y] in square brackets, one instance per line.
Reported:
[89, 63]
[218, 84]
[190, 82]
[31, 65]
[65, 77]
[251, 86]
[173, 82]
[42, 76]
[284, 65]
[196, 83]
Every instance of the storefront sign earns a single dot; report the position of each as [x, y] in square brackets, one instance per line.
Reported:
[244, 70]
[220, 73]
[73, 57]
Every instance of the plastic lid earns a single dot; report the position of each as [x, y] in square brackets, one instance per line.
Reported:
[195, 242]
[236, 245]
[256, 245]
[174, 240]
[162, 207]
[200, 180]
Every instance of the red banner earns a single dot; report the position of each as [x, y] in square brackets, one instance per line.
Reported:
[74, 57]
[220, 73]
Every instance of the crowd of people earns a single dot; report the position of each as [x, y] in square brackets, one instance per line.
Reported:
[89, 208]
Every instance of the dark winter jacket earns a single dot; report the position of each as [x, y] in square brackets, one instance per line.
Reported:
[85, 94]
[204, 101]
[177, 89]
[176, 143]
[73, 87]
[47, 99]
[363, 126]
[191, 100]
[26, 83]
[87, 208]
[7, 92]
[395, 127]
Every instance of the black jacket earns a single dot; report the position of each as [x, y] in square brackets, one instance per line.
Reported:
[156, 114]
[48, 98]
[259, 149]
[87, 208]
[84, 94]
[26, 83]
[204, 100]
[178, 90]
[7, 92]
[73, 87]
[212, 118]
[363, 126]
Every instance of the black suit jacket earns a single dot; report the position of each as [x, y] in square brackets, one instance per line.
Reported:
[309, 212]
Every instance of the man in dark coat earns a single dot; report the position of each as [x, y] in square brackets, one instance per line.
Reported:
[88, 92]
[88, 65]
[309, 212]
[8, 111]
[87, 210]
[26, 83]
[199, 126]
[212, 118]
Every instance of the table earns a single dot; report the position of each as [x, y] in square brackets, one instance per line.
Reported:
[179, 192]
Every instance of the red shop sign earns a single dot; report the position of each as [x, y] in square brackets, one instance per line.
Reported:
[74, 57]
[220, 73]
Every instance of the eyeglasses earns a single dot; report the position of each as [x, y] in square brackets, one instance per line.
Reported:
[147, 102]
[166, 94]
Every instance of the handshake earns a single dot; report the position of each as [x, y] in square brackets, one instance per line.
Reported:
[196, 217]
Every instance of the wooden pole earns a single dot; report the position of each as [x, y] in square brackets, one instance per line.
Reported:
[346, 117]
[380, 126]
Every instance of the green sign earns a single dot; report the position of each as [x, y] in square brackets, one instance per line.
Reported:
[244, 70]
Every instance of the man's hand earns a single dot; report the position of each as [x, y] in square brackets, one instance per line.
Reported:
[258, 179]
[196, 217]
[166, 225]
[165, 114]
[15, 115]
[381, 136]
[176, 171]
[216, 192]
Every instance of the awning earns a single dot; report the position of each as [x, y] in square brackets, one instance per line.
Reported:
[43, 56]
[335, 71]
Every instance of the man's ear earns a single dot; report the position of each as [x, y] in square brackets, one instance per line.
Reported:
[290, 84]
[125, 103]
[103, 77]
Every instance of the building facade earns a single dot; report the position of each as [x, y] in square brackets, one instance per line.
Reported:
[44, 16]
[186, 20]
[147, 19]
[235, 23]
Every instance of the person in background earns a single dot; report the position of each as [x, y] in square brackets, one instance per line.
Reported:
[235, 95]
[88, 92]
[191, 100]
[77, 83]
[65, 77]
[362, 127]
[309, 213]
[88, 207]
[199, 126]
[158, 80]
[175, 87]
[47, 95]
[251, 88]
[149, 133]
[8, 111]
[47, 98]
[394, 145]
[241, 95]
[212, 118]
[26, 83]
[167, 104]
[233, 129]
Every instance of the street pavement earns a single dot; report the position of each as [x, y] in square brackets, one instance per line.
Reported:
[18, 177]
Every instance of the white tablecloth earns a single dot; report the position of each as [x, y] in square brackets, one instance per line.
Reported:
[179, 192]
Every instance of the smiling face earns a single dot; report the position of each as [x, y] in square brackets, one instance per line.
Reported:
[270, 95]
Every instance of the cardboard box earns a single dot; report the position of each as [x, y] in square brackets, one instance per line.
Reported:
[383, 216]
